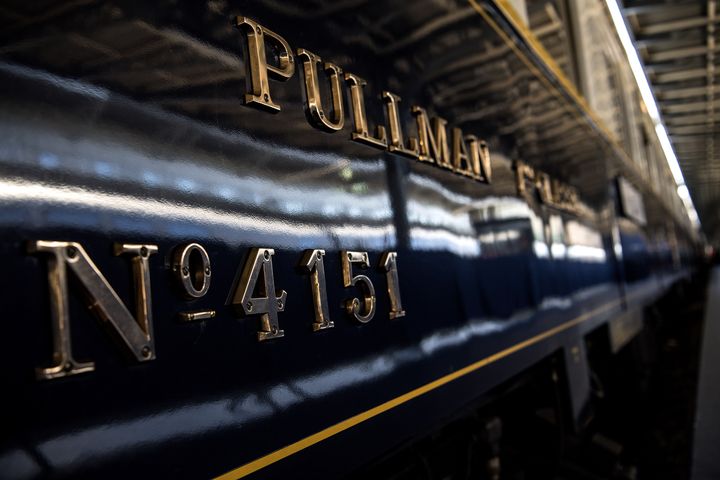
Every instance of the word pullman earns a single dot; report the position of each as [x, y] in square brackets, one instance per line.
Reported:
[464, 154]
[255, 294]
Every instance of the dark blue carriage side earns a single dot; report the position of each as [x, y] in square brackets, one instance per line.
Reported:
[148, 142]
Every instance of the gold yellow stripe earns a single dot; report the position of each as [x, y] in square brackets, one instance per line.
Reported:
[306, 442]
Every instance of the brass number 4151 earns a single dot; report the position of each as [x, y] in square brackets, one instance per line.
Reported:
[256, 295]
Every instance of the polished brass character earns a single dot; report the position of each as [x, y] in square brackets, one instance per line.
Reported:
[368, 301]
[312, 262]
[191, 266]
[485, 163]
[135, 333]
[564, 195]
[313, 101]
[551, 192]
[432, 143]
[523, 172]
[462, 162]
[479, 158]
[360, 125]
[388, 264]
[270, 301]
[544, 188]
[196, 315]
[396, 143]
[256, 66]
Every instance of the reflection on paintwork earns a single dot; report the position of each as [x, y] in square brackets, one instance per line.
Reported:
[193, 171]
[558, 251]
[424, 239]
[145, 138]
[586, 253]
[64, 83]
[584, 243]
[78, 201]
[99, 443]
[188, 174]
[142, 212]
[541, 249]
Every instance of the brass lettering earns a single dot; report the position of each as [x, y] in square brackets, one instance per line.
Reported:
[191, 265]
[462, 162]
[360, 129]
[522, 172]
[485, 163]
[542, 183]
[550, 192]
[397, 143]
[369, 301]
[312, 262]
[256, 66]
[313, 101]
[135, 333]
[479, 158]
[269, 301]
[466, 155]
[388, 264]
[432, 143]
[564, 195]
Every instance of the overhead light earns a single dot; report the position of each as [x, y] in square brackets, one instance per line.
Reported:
[650, 104]
[669, 154]
[684, 195]
[635, 64]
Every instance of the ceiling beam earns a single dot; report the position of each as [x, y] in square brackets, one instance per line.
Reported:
[690, 148]
[677, 120]
[663, 42]
[665, 55]
[710, 67]
[688, 139]
[688, 92]
[678, 75]
[687, 107]
[660, 7]
[693, 165]
[696, 150]
[675, 25]
[691, 129]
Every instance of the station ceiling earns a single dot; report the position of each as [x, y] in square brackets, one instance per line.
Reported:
[678, 44]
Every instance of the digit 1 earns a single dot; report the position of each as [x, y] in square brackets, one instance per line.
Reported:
[312, 262]
[269, 302]
[388, 264]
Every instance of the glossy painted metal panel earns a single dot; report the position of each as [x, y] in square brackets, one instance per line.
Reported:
[123, 122]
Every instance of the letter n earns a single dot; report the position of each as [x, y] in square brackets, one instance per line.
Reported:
[135, 333]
